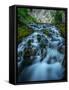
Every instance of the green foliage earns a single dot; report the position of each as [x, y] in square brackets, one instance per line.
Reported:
[60, 22]
[58, 17]
[61, 28]
[46, 32]
[23, 32]
[24, 17]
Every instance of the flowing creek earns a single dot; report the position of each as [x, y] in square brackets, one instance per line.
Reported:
[46, 54]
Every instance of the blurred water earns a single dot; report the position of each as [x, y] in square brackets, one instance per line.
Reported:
[47, 64]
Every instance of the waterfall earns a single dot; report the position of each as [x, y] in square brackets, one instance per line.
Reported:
[46, 56]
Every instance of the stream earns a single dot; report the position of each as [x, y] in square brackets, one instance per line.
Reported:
[44, 54]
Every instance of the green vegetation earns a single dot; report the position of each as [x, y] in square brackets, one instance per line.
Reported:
[23, 32]
[46, 32]
[24, 17]
[23, 20]
[59, 21]
[59, 17]
[61, 28]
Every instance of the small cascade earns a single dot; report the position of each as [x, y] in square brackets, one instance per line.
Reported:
[44, 54]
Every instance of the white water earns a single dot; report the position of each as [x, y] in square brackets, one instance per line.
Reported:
[50, 68]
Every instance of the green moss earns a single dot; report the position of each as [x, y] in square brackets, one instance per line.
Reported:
[58, 17]
[61, 28]
[24, 17]
[23, 32]
[46, 32]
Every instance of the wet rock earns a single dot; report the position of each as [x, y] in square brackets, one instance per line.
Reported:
[62, 49]
[38, 38]
[52, 60]
[45, 40]
[43, 48]
[29, 42]
[43, 54]
[29, 55]
[43, 44]
[49, 60]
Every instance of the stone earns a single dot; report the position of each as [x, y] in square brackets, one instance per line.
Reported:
[29, 55]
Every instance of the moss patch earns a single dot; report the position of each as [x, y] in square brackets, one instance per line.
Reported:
[23, 32]
[24, 17]
[46, 32]
[61, 28]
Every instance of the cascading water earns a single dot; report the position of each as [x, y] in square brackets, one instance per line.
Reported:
[43, 54]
